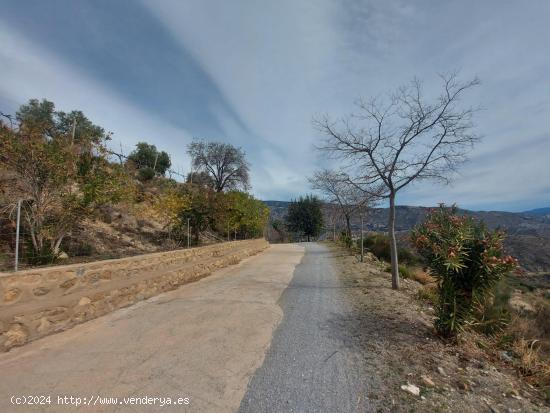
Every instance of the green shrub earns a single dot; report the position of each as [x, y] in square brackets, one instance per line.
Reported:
[404, 271]
[379, 245]
[466, 259]
[146, 174]
[346, 239]
[44, 256]
[495, 314]
[78, 249]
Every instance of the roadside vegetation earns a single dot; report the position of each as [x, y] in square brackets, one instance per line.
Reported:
[476, 295]
[472, 287]
[72, 187]
[416, 369]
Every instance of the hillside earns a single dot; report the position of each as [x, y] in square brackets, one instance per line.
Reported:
[528, 233]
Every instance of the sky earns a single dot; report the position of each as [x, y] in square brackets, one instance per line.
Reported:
[255, 74]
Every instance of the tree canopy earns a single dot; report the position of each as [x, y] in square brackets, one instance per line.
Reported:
[147, 156]
[60, 180]
[305, 217]
[40, 117]
[225, 163]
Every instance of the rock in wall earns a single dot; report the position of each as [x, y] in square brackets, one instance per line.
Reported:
[39, 302]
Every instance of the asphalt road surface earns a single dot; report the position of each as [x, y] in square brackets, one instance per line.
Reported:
[270, 334]
[313, 364]
[202, 341]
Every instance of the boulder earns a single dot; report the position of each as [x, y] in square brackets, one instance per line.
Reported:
[411, 388]
[16, 336]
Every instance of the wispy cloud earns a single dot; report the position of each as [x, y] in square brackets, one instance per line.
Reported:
[30, 72]
[255, 73]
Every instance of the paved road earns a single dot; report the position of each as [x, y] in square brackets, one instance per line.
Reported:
[313, 364]
[203, 341]
[271, 334]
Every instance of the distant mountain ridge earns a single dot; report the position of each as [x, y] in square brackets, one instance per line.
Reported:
[528, 232]
[538, 212]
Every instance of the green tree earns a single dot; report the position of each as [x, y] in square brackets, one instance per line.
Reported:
[37, 117]
[247, 215]
[305, 217]
[59, 182]
[81, 130]
[40, 117]
[199, 212]
[147, 156]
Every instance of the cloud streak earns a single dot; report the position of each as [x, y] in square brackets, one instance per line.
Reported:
[255, 74]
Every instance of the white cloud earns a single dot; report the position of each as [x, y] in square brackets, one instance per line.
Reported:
[29, 72]
[278, 64]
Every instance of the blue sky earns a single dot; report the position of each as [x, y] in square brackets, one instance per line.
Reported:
[254, 74]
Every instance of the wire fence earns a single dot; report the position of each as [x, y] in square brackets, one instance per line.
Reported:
[86, 243]
[20, 249]
[121, 153]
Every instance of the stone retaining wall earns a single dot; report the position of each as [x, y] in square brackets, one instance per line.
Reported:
[39, 302]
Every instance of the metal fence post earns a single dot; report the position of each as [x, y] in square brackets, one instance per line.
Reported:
[188, 234]
[362, 247]
[17, 235]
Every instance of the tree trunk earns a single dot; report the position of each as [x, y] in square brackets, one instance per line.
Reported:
[56, 245]
[393, 244]
[348, 226]
[307, 237]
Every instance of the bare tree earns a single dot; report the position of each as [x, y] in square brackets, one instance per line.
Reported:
[225, 163]
[402, 139]
[340, 191]
[331, 218]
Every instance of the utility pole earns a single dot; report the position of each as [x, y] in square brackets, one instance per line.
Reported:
[17, 235]
[188, 234]
[362, 247]
[74, 131]
[155, 164]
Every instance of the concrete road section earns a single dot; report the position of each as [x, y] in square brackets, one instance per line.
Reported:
[198, 346]
[312, 364]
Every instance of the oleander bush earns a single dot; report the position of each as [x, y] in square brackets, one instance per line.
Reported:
[467, 261]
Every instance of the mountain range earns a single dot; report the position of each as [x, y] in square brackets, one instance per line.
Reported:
[528, 233]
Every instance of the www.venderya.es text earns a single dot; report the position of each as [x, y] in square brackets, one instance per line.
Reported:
[97, 400]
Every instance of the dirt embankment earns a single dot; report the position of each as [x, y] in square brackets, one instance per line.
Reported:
[399, 343]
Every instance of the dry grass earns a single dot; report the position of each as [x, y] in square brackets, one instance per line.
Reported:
[428, 294]
[423, 277]
[397, 340]
[526, 337]
[531, 344]
[530, 363]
